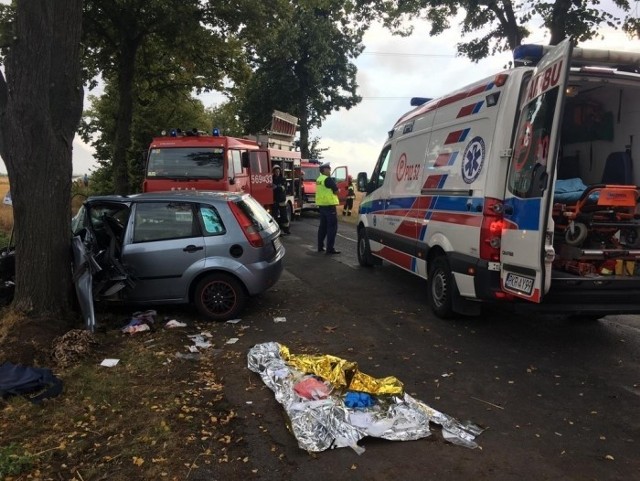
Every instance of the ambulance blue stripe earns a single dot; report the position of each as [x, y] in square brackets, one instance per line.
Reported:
[452, 159]
[478, 106]
[490, 85]
[464, 134]
[526, 213]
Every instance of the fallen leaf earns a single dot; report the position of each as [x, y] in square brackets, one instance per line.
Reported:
[353, 466]
[138, 461]
[609, 457]
[330, 329]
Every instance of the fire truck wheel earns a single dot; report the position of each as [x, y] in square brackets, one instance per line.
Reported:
[578, 236]
[219, 296]
[440, 288]
[365, 259]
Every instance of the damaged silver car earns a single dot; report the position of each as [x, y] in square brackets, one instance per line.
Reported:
[210, 249]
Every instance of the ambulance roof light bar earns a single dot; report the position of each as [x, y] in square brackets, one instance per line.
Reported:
[530, 55]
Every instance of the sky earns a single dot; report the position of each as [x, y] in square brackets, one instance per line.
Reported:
[391, 71]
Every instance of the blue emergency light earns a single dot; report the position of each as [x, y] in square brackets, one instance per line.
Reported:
[173, 132]
[216, 132]
[528, 54]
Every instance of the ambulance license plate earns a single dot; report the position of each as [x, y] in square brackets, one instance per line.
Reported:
[519, 283]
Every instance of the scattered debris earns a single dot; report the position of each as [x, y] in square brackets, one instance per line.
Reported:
[232, 340]
[109, 362]
[191, 356]
[174, 323]
[72, 346]
[279, 319]
[233, 321]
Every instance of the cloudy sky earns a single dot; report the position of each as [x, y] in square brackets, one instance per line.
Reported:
[391, 71]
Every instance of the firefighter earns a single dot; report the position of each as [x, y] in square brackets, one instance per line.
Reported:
[279, 186]
[348, 203]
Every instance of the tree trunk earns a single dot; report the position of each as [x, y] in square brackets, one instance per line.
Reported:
[40, 108]
[558, 21]
[122, 140]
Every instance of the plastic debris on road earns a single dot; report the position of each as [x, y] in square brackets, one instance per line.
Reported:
[173, 323]
[319, 424]
[110, 362]
[279, 319]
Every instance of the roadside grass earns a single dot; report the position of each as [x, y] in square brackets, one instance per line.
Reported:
[148, 417]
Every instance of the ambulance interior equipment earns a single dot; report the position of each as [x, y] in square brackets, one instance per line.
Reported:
[595, 210]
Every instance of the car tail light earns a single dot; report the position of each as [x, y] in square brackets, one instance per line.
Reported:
[250, 230]
[491, 230]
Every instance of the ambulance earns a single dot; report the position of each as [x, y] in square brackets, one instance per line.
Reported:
[520, 188]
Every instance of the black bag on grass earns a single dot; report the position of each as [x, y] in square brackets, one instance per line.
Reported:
[34, 383]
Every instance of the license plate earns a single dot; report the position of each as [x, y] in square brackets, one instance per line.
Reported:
[277, 243]
[519, 283]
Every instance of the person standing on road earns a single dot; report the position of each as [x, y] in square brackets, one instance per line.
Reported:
[327, 200]
[348, 204]
[279, 186]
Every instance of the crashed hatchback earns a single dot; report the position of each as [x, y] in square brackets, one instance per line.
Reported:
[211, 249]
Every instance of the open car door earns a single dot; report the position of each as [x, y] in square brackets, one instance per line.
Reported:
[527, 235]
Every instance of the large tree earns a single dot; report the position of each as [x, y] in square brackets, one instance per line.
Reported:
[162, 44]
[303, 65]
[40, 106]
[499, 25]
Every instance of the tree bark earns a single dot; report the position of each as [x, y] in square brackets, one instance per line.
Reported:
[40, 108]
[558, 21]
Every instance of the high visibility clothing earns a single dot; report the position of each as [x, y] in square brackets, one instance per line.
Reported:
[324, 195]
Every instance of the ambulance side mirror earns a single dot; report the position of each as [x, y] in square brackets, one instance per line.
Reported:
[362, 181]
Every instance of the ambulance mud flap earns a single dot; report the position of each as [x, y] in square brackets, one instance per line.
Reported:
[462, 305]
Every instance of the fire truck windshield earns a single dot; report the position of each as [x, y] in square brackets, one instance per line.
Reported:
[186, 162]
[311, 173]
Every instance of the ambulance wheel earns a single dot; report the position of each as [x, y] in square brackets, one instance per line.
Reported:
[440, 288]
[365, 259]
[219, 297]
[578, 236]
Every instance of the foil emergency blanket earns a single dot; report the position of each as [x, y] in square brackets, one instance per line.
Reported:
[327, 423]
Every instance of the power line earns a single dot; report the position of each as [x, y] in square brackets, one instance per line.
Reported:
[399, 54]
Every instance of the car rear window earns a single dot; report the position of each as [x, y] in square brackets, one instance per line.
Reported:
[255, 212]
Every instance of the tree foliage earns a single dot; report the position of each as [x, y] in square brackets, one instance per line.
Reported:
[303, 65]
[499, 25]
[143, 46]
[40, 106]
[156, 110]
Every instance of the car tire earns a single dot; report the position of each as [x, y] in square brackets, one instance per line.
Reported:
[440, 288]
[219, 296]
[365, 258]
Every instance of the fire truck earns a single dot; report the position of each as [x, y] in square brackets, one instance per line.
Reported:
[196, 160]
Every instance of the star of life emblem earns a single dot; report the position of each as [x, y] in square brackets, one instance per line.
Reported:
[472, 160]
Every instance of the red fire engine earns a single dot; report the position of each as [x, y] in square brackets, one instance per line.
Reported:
[195, 160]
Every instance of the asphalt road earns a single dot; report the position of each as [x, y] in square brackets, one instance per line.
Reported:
[559, 399]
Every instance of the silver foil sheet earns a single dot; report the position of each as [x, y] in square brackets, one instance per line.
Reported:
[327, 423]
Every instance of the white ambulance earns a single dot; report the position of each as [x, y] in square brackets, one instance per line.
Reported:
[521, 187]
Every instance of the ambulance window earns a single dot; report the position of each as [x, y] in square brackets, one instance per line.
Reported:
[528, 175]
[377, 178]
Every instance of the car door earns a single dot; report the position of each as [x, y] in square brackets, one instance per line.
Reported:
[526, 245]
[163, 250]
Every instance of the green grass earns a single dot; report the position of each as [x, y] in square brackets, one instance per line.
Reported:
[13, 460]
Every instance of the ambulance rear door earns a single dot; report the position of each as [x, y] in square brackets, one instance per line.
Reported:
[527, 235]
